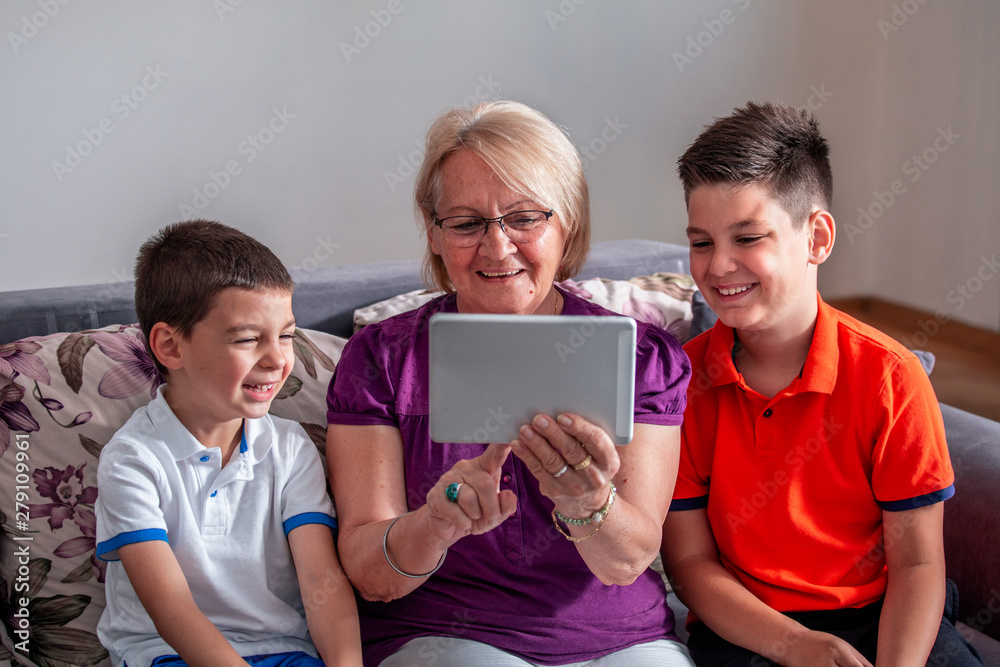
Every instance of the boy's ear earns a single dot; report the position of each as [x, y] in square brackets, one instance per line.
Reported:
[164, 341]
[822, 233]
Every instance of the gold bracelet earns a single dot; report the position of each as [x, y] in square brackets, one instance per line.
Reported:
[603, 513]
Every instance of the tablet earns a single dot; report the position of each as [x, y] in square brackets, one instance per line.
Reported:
[491, 374]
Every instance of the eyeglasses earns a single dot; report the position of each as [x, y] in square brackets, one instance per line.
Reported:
[465, 231]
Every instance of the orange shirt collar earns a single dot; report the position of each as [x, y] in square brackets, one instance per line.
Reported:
[819, 373]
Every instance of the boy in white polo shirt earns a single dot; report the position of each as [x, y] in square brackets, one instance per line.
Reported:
[214, 514]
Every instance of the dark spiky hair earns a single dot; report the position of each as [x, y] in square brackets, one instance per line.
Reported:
[778, 147]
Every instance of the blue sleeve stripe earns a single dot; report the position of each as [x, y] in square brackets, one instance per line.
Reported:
[309, 517]
[919, 501]
[107, 550]
[684, 504]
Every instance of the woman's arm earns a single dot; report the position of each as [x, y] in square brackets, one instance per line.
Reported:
[163, 591]
[368, 481]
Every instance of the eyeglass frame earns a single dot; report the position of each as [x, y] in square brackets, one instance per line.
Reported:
[486, 221]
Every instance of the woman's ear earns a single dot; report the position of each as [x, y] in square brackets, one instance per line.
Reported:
[431, 240]
[165, 343]
[822, 233]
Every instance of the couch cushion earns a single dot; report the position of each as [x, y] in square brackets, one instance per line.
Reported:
[62, 397]
[663, 299]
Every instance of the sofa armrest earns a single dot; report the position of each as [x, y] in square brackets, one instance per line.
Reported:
[972, 519]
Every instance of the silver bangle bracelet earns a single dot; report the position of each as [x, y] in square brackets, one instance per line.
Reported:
[385, 552]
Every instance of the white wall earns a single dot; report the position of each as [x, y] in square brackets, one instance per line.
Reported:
[334, 186]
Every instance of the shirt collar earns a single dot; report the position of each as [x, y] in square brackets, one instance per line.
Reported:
[819, 373]
[255, 443]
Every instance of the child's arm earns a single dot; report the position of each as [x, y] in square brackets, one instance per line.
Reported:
[331, 611]
[691, 560]
[163, 590]
[914, 599]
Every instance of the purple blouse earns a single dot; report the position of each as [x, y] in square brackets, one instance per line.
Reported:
[521, 587]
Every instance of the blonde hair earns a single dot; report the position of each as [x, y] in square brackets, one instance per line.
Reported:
[530, 154]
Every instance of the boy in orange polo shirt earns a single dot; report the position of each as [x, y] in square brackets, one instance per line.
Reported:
[806, 526]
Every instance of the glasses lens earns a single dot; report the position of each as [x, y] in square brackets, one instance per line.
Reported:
[523, 222]
[463, 231]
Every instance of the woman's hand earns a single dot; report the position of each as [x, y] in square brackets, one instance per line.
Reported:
[479, 505]
[573, 459]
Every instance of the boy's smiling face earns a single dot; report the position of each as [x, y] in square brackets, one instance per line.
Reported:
[754, 266]
[233, 363]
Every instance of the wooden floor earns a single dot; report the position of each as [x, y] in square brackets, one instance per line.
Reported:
[967, 368]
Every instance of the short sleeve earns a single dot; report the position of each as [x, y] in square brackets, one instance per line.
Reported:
[691, 488]
[128, 503]
[362, 391]
[304, 497]
[662, 373]
[910, 463]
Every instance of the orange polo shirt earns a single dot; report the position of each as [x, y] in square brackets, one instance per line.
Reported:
[795, 485]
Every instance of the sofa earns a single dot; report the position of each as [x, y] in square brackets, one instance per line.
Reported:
[73, 369]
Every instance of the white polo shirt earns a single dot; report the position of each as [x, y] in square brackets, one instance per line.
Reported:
[227, 527]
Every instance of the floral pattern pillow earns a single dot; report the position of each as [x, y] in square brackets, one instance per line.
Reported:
[663, 299]
[62, 397]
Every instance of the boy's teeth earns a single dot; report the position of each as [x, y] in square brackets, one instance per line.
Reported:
[260, 387]
[735, 290]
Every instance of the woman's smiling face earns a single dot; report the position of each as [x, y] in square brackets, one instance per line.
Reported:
[497, 275]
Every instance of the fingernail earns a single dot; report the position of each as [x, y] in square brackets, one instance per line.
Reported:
[541, 421]
[527, 433]
[564, 420]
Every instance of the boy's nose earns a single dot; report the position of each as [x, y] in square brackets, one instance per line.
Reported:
[722, 263]
[274, 357]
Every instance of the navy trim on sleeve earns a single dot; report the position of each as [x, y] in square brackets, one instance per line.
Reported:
[124, 539]
[919, 501]
[309, 517]
[684, 504]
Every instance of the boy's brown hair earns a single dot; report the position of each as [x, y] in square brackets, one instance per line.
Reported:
[778, 147]
[182, 268]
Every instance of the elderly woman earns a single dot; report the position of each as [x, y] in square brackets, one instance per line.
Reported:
[534, 552]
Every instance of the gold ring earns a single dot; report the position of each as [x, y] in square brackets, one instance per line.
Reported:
[584, 463]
